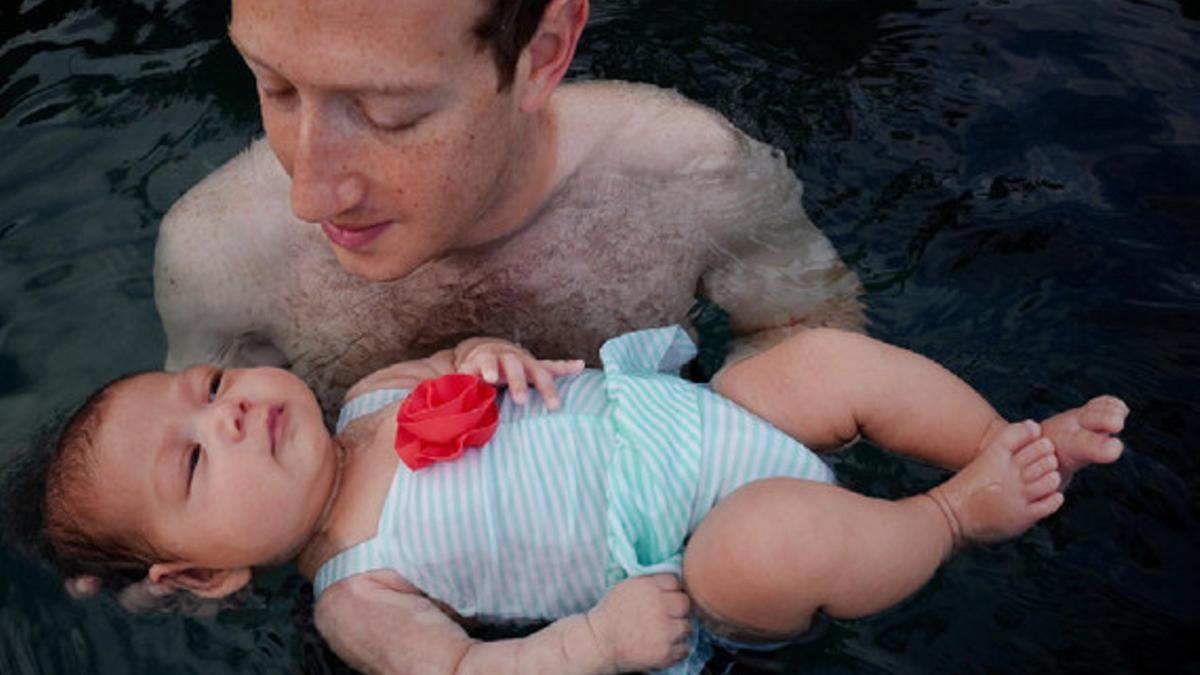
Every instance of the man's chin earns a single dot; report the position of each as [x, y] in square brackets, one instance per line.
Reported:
[373, 267]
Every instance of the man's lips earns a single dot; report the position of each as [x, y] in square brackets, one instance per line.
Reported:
[353, 237]
[274, 425]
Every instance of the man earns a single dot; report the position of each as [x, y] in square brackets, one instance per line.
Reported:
[427, 179]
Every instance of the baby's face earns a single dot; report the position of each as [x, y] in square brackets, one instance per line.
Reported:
[216, 468]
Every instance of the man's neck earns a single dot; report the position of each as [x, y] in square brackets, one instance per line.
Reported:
[523, 191]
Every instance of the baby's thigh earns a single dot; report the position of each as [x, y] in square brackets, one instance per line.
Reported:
[738, 448]
[757, 565]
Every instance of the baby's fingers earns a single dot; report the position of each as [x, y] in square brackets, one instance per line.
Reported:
[482, 363]
[514, 375]
[543, 381]
[562, 368]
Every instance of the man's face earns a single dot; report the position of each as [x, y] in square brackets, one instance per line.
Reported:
[387, 117]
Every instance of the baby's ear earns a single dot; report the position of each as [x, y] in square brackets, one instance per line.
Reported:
[201, 581]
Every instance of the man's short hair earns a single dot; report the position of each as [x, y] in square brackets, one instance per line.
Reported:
[506, 28]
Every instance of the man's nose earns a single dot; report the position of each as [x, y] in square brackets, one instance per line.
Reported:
[325, 184]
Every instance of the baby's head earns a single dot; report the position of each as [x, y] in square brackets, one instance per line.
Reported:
[192, 478]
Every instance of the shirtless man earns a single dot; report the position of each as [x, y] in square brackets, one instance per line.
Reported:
[419, 168]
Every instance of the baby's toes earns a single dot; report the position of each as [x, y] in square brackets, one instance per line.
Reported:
[1037, 460]
[1104, 415]
[1109, 450]
[1047, 505]
[1039, 488]
[1016, 436]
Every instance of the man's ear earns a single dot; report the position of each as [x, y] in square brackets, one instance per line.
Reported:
[548, 54]
[200, 581]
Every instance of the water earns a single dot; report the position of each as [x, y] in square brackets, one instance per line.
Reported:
[1017, 183]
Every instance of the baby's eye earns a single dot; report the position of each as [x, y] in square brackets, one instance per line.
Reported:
[214, 385]
[193, 461]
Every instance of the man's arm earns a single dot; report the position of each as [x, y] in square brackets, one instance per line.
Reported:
[773, 271]
[378, 624]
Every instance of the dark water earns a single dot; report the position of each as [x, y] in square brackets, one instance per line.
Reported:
[1018, 184]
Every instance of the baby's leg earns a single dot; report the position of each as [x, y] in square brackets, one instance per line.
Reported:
[825, 387]
[775, 551]
[1083, 435]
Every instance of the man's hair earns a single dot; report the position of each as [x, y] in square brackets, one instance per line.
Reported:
[506, 28]
[75, 542]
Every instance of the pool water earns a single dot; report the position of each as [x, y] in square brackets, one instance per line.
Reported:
[1017, 183]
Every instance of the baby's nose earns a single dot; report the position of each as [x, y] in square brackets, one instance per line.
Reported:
[235, 419]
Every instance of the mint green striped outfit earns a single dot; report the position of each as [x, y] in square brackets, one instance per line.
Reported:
[561, 505]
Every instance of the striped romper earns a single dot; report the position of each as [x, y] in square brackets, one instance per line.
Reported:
[561, 505]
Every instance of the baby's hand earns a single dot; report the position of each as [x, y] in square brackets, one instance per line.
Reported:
[499, 361]
[642, 623]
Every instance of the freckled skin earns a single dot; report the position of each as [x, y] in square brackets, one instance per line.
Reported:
[556, 222]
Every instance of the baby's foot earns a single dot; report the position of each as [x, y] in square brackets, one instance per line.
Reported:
[1010, 485]
[1083, 435]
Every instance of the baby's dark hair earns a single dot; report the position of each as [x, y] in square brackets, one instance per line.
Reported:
[49, 497]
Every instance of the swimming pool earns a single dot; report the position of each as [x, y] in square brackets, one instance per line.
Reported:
[1017, 183]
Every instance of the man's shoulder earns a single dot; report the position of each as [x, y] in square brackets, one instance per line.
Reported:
[641, 127]
[224, 234]
[250, 187]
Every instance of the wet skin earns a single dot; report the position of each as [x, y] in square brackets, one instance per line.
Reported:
[389, 120]
[555, 216]
[216, 469]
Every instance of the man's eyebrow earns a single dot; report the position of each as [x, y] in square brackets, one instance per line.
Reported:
[376, 89]
[233, 38]
[246, 54]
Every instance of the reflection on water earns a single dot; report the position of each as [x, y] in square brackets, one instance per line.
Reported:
[1016, 182]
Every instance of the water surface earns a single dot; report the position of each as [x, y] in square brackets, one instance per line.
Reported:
[1017, 183]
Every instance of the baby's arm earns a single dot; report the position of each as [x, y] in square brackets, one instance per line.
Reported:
[494, 360]
[825, 387]
[378, 624]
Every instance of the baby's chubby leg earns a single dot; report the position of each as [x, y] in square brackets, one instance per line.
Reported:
[1083, 435]
[777, 550]
[824, 387]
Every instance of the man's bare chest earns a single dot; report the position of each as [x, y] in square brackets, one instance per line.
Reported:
[558, 301]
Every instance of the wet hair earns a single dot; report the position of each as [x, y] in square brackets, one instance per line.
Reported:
[506, 28]
[49, 493]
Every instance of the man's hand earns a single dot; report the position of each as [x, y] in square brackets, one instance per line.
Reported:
[500, 361]
[642, 623]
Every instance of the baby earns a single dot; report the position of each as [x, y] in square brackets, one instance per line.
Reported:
[642, 515]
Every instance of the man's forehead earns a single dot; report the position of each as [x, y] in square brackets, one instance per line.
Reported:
[377, 23]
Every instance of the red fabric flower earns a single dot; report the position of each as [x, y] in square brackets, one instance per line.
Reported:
[443, 417]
